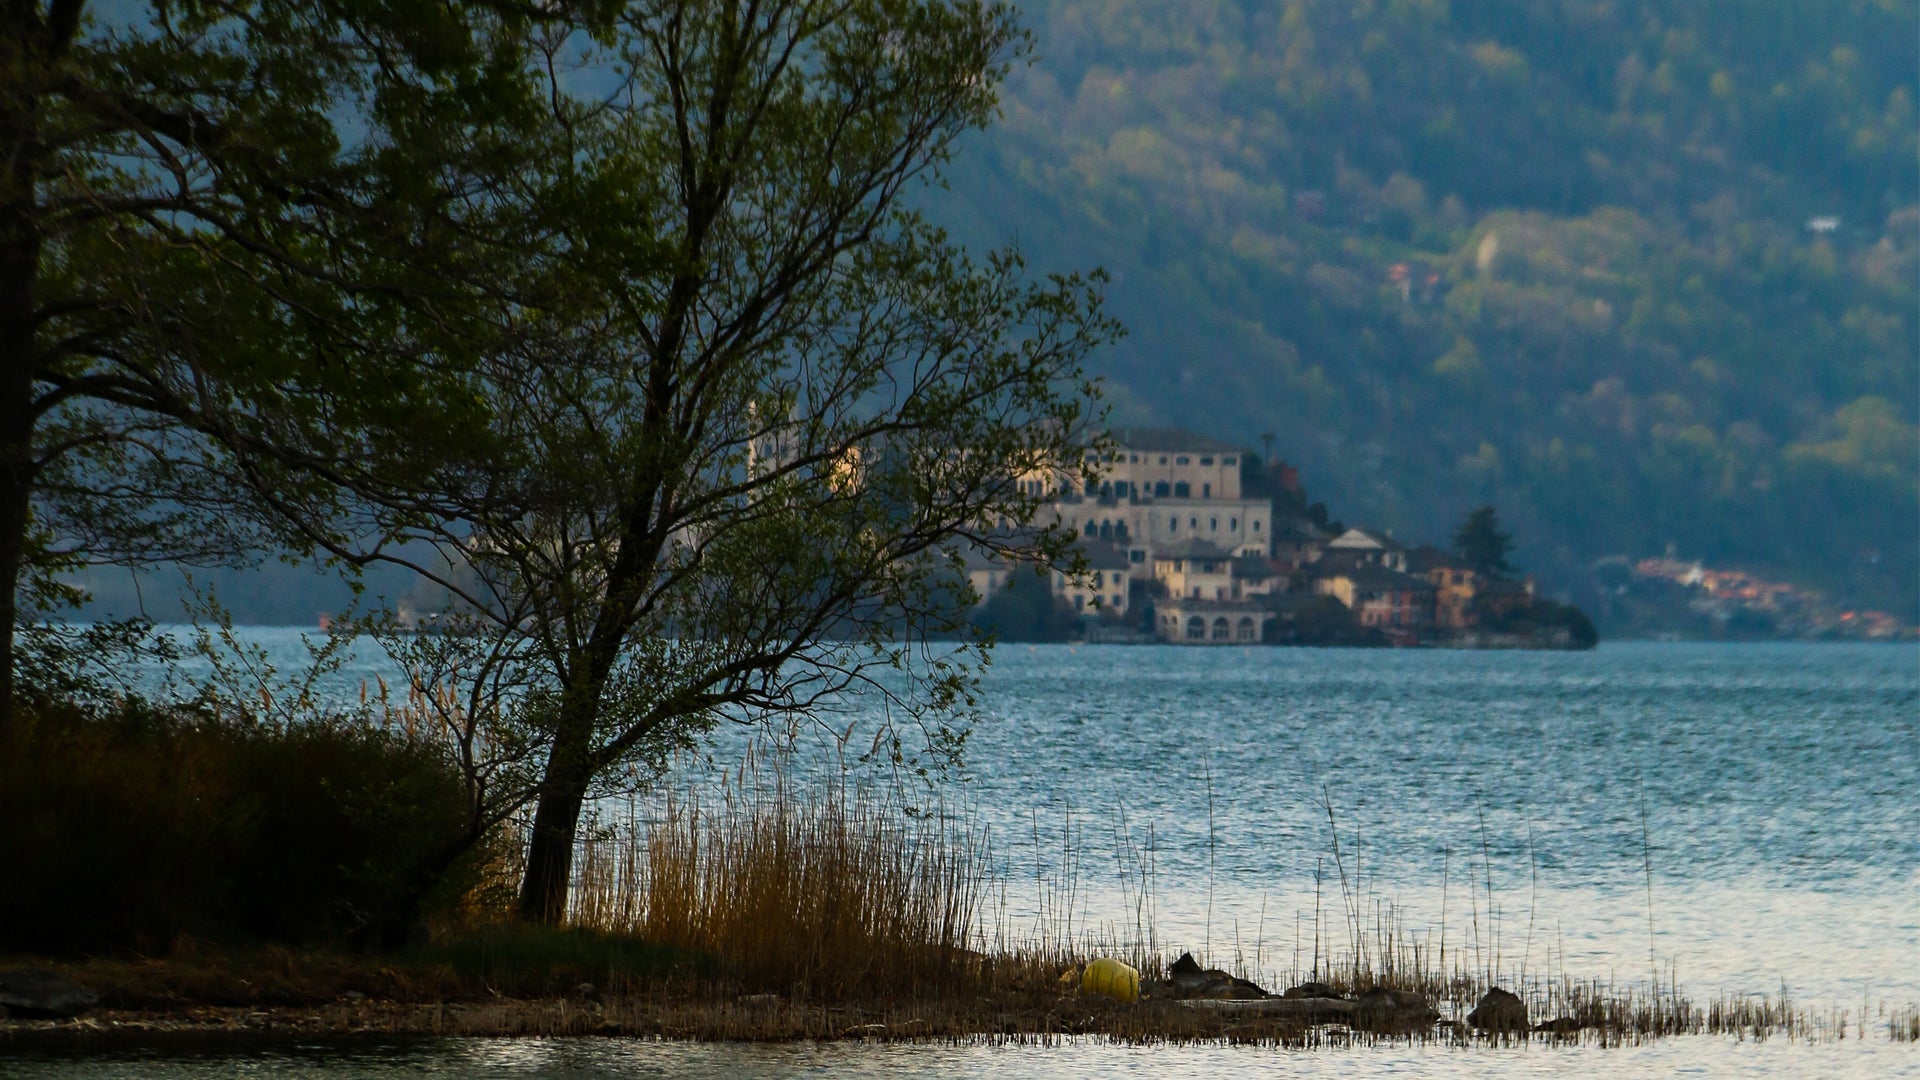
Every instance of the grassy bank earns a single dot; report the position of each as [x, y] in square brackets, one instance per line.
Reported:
[769, 911]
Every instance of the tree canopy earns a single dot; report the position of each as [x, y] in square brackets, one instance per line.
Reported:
[239, 245]
[1482, 544]
[727, 461]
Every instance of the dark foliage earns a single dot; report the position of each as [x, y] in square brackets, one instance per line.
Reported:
[131, 827]
[1482, 544]
[1025, 609]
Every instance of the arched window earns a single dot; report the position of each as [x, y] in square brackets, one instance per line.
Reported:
[1173, 524]
[1160, 489]
[1196, 629]
[1193, 523]
[1221, 632]
[1092, 529]
[1120, 531]
[1246, 628]
[1106, 530]
[1233, 524]
[1213, 524]
[1181, 490]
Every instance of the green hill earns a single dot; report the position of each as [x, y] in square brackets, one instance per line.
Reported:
[1640, 272]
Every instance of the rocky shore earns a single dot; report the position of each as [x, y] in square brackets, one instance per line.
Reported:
[1191, 1003]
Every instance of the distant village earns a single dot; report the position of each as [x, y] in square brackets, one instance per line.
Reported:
[1672, 593]
[1189, 540]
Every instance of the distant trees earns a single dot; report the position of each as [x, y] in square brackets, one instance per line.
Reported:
[1026, 609]
[1534, 257]
[1482, 544]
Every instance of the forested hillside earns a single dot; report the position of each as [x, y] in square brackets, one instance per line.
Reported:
[1640, 272]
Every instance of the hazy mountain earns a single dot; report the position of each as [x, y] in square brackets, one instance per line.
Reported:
[1640, 272]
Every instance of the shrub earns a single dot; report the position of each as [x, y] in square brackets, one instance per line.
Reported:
[130, 826]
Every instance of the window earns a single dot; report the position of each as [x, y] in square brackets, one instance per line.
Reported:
[1178, 460]
[1181, 490]
[1233, 524]
[1206, 491]
[1246, 628]
[1193, 523]
[1119, 576]
[1213, 524]
[1221, 631]
[1116, 600]
[1195, 592]
[1163, 459]
[1196, 629]
[1256, 524]
[1136, 555]
[1206, 461]
[1160, 489]
[1173, 524]
[1092, 529]
[1133, 459]
[1228, 460]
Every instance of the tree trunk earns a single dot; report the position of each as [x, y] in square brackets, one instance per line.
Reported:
[19, 258]
[20, 65]
[556, 817]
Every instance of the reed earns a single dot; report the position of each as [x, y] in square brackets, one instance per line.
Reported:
[830, 894]
[837, 891]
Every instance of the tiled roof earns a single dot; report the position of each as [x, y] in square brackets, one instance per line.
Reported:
[1376, 577]
[1365, 539]
[1427, 557]
[1101, 555]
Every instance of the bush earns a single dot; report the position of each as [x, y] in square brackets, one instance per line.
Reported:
[129, 827]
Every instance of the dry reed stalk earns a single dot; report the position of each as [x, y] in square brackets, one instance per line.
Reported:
[839, 892]
[835, 893]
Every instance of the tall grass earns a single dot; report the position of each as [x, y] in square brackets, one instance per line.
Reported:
[833, 892]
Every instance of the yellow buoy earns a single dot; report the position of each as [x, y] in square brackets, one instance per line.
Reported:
[1111, 978]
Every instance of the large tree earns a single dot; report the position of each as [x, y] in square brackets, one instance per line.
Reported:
[1482, 544]
[239, 242]
[730, 464]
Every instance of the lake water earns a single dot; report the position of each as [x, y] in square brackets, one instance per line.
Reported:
[1745, 819]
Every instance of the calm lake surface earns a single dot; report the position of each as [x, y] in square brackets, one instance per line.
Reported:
[1744, 818]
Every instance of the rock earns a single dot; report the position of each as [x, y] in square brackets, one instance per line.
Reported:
[28, 992]
[1498, 1011]
[1189, 980]
[1383, 1010]
[1311, 990]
